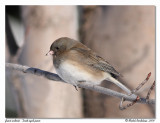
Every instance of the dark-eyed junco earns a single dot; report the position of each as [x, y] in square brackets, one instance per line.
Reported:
[74, 63]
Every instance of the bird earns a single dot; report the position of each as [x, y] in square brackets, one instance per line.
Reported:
[76, 63]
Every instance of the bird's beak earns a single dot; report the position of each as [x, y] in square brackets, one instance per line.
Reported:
[50, 53]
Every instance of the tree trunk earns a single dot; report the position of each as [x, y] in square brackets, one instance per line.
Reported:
[42, 98]
[125, 37]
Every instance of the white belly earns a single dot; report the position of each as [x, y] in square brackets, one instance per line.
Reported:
[71, 73]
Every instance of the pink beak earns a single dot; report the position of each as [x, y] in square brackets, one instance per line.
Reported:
[50, 53]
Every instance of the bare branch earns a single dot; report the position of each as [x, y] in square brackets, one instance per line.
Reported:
[35, 71]
[150, 90]
[121, 107]
[144, 82]
[128, 105]
[55, 77]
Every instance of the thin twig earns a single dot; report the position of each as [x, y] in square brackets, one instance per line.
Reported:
[55, 77]
[128, 105]
[121, 107]
[150, 90]
[135, 90]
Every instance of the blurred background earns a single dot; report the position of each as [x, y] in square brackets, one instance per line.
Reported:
[123, 35]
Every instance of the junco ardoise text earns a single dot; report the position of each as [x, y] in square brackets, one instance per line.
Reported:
[74, 63]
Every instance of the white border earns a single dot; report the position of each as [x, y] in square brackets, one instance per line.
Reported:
[75, 2]
[2, 64]
[80, 2]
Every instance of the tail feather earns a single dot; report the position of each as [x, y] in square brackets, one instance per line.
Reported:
[119, 84]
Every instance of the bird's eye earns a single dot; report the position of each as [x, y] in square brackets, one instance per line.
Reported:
[57, 48]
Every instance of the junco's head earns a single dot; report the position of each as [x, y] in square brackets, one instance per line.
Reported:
[60, 45]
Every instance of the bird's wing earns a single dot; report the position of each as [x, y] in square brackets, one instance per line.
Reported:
[96, 61]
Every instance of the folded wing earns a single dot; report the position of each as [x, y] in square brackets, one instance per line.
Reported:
[96, 61]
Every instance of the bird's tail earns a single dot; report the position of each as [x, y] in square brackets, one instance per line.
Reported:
[119, 84]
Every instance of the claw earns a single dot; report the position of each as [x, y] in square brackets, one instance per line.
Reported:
[75, 87]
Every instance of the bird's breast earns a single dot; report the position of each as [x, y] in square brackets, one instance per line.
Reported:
[72, 72]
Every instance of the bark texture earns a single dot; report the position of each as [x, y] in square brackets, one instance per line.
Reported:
[125, 37]
[42, 98]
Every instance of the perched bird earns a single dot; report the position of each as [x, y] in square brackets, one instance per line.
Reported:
[74, 63]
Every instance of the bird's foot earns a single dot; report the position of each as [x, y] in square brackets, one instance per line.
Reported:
[75, 87]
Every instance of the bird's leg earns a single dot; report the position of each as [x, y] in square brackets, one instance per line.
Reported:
[75, 87]
[80, 81]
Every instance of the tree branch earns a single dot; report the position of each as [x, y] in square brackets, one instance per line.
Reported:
[55, 77]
